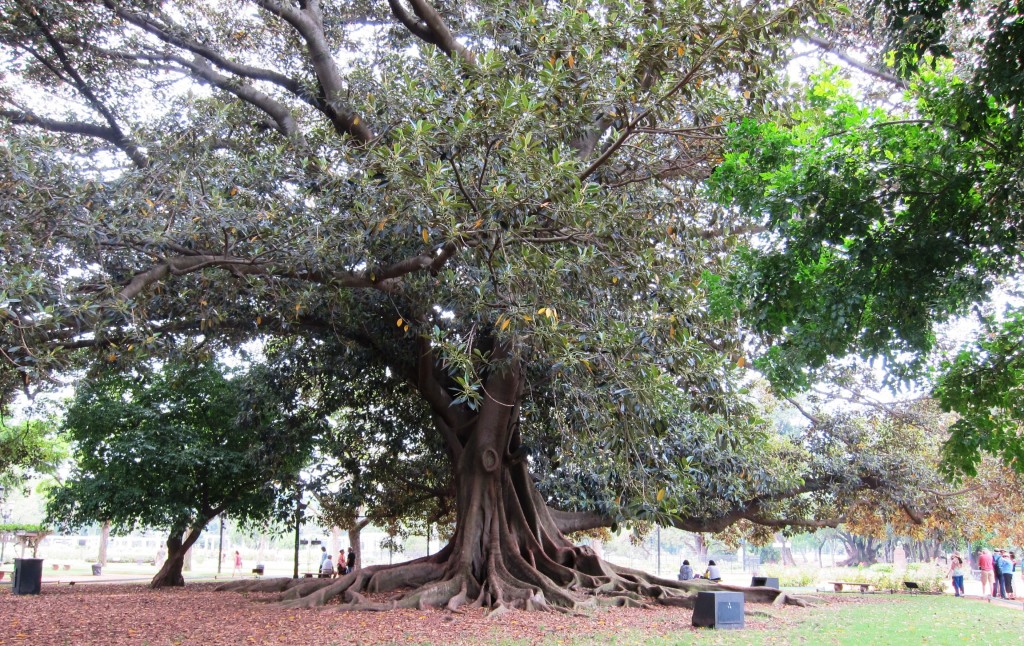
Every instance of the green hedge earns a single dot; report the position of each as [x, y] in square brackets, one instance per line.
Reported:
[22, 527]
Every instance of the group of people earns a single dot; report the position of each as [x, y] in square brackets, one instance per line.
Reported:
[345, 563]
[712, 573]
[997, 568]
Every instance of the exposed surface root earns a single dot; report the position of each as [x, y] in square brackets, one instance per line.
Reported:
[520, 585]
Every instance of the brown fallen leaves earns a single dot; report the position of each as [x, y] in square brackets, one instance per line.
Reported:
[134, 614]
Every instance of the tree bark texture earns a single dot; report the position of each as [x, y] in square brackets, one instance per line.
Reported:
[104, 543]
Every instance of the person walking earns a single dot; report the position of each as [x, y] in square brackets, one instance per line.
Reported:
[985, 564]
[341, 563]
[238, 564]
[956, 570]
[685, 571]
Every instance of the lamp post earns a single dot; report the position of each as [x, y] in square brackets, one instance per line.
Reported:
[5, 513]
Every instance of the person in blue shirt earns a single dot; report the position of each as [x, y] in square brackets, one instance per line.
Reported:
[1006, 573]
[998, 590]
[685, 571]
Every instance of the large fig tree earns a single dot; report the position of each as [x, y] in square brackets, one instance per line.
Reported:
[494, 202]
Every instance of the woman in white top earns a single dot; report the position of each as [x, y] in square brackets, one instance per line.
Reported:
[712, 573]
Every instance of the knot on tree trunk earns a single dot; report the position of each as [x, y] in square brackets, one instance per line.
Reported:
[489, 459]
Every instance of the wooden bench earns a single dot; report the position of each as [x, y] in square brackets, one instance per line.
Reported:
[838, 585]
[316, 575]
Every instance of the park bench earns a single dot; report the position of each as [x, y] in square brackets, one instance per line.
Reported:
[838, 585]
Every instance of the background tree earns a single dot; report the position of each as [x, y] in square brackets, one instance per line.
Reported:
[379, 462]
[890, 218]
[167, 448]
[28, 449]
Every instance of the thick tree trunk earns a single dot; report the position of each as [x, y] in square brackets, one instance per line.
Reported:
[785, 552]
[170, 573]
[700, 548]
[860, 550]
[355, 541]
[507, 551]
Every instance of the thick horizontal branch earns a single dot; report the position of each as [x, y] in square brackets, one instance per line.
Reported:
[568, 522]
[68, 127]
[383, 278]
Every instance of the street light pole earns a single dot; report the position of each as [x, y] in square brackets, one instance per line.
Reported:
[659, 549]
[298, 524]
[220, 545]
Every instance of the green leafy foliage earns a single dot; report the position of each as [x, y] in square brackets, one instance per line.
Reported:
[28, 449]
[886, 225]
[166, 448]
[983, 384]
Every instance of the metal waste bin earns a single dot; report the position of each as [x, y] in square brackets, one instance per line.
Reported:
[97, 569]
[28, 576]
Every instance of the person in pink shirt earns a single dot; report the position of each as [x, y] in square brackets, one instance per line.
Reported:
[985, 565]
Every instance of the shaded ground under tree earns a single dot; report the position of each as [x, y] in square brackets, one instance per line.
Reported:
[132, 614]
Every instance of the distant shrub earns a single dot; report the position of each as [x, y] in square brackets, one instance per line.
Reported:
[22, 527]
[791, 577]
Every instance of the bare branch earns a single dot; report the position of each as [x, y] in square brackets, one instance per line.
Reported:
[68, 127]
[118, 137]
[173, 37]
[831, 48]
[308, 24]
[430, 27]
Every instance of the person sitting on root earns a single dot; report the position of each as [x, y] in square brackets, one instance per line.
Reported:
[685, 571]
[712, 573]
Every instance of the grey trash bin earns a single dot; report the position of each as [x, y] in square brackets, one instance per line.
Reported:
[97, 569]
[28, 576]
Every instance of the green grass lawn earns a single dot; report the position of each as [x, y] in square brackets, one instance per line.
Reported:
[900, 619]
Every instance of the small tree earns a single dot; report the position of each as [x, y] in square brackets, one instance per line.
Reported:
[167, 448]
[28, 449]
